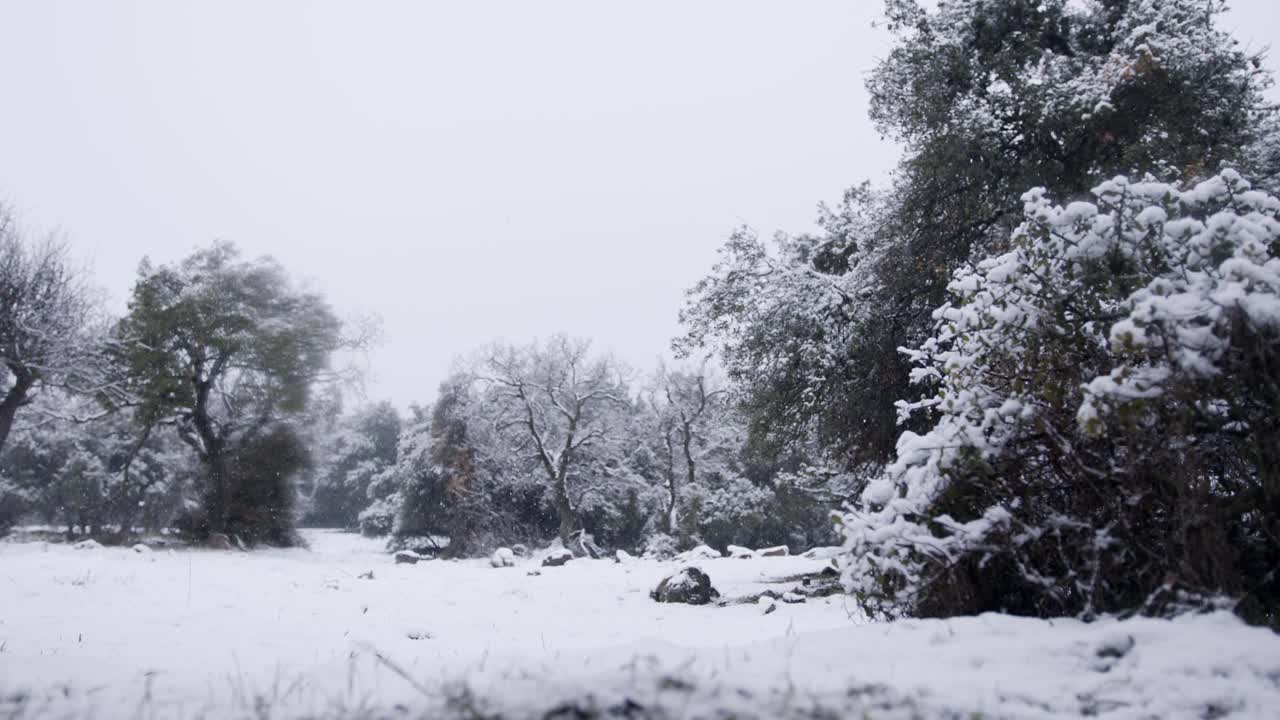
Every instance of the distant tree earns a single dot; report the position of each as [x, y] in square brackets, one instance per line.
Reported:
[552, 405]
[49, 333]
[691, 418]
[361, 446]
[228, 351]
[442, 492]
[451, 496]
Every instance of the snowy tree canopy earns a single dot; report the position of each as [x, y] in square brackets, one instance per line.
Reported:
[989, 98]
[1119, 356]
[51, 333]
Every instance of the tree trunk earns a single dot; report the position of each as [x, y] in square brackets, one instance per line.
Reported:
[218, 504]
[24, 380]
[568, 518]
[669, 517]
[691, 471]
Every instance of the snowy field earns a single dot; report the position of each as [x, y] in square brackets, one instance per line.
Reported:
[110, 632]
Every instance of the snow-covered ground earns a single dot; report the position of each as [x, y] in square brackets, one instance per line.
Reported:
[281, 633]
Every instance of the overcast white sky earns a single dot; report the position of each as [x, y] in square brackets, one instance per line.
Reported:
[470, 171]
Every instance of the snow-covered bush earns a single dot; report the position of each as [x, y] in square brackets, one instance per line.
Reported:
[1106, 429]
[734, 511]
[660, 546]
[379, 518]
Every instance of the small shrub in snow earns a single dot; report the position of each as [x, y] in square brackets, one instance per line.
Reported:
[378, 519]
[1105, 431]
[659, 546]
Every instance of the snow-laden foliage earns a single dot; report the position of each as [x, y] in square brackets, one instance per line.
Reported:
[1105, 425]
[528, 443]
[989, 98]
[1114, 84]
[106, 474]
[791, 321]
[347, 457]
[557, 410]
[51, 333]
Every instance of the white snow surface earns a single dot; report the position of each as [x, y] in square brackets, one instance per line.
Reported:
[115, 633]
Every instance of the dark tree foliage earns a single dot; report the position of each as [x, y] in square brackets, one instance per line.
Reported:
[259, 469]
[1104, 426]
[227, 351]
[989, 98]
[440, 486]
[363, 446]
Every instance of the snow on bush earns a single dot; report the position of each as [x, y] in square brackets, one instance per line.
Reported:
[1104, 415]
[659, 546]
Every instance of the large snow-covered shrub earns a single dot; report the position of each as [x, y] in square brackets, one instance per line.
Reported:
[1106, 421]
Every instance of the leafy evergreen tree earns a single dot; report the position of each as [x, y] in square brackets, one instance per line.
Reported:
[228, 351]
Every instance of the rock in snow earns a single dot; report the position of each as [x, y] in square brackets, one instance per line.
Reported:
[777, 551]
[557, 557]
[407, 557]
[690, 585]
[744, 553]
[89, 544]
[822, 553]
[622, 556]
[766, 604]
[503, 557]
[702, 552]
[142, 549]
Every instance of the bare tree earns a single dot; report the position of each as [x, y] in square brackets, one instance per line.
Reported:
[49, 332]
[554, 403]
[684, 406]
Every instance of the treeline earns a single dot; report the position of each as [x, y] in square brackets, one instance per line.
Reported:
[530, 443]
[213, 409]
